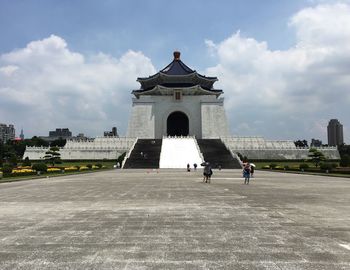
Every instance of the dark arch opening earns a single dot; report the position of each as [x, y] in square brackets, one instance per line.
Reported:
[177, 124]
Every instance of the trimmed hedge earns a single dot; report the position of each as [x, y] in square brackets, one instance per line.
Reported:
[39, 167]
[304, 166]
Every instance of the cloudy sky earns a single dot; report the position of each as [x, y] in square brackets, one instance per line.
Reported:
[284, 66]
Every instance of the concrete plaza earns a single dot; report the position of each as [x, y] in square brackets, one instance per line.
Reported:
[139, 219]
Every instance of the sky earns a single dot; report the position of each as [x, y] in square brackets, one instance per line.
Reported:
[284, 66]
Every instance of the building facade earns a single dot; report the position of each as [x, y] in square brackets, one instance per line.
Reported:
[335, 133]
[60, 132]
[112, 133]
[7, 132]
[177, 101]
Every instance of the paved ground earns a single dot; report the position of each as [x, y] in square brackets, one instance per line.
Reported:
[134, 219]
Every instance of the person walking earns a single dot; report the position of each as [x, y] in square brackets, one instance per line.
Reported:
[188, 167]
[207, 173]
[246, 173]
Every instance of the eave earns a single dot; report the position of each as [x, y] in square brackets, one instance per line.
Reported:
[186, 91]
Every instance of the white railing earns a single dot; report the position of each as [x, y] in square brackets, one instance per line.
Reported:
[199, 150]
[128, 154]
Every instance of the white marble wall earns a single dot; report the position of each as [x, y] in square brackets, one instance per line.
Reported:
[142, 119]
[206, 114]
[97, 149]
[214, 121]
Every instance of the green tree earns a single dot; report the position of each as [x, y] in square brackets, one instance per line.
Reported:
[239, 155]
[301, 143]
[36, 141]
[26, 162]
[120, 159]
[345, 160]
[316, 156]
[59, 142]
[53, 155]
[1, 152]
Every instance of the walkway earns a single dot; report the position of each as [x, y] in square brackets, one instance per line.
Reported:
[139, 219]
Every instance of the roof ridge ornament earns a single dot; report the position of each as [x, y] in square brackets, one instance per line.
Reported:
[177, 55]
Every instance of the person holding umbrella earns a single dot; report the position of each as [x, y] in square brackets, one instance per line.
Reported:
[207, 172]
[252, 168]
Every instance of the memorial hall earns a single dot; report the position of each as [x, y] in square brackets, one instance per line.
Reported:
[178, 118]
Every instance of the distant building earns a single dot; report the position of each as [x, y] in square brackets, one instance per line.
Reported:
[316, 143]
[7, 132]
[335, 133]
[112, 133]
[81, 136]
[21, 135]
[59, 133]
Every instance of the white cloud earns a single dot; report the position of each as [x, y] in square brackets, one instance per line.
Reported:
[8, 70]
[299, 86]
[45, 85]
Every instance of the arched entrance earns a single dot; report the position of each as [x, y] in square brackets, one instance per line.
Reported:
[177, 124]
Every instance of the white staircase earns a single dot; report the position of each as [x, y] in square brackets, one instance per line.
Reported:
[177, 152]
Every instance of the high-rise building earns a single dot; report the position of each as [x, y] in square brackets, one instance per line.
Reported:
[335, 133]
[60, 132]
[21, 135]
[7, 132]
[113, 133]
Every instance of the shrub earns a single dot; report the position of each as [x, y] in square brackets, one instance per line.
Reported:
[303, 166]
[328, 166]
[39, 167]
[99, 165]
[71, 168]
[84, 168]
[89, 166]
[278, 167]
[7, 168]
[53, 170]
[26, 162]
[345, 161]
[19, 171]
[266, 167]
[273, 165]
[286, 167]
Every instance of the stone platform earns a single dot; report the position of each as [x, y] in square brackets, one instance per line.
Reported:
[139, 219]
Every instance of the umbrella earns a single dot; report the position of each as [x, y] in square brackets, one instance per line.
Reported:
[205, 164]
[252, 164]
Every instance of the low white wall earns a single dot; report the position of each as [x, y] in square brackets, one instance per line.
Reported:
[259, 148]
[96, 149]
